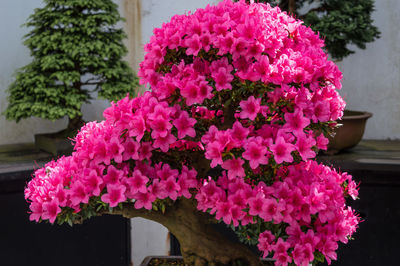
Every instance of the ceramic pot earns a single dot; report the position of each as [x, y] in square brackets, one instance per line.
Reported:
[350, 133]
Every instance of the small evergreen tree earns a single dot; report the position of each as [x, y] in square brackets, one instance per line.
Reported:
[76, 49]
[340, 22]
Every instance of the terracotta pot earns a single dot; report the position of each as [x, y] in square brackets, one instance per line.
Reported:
[350, 134]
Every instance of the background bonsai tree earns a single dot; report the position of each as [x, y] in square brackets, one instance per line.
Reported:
[243, 97]
[340, 22]
[76, 50]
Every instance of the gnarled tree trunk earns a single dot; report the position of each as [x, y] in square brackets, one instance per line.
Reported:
[201, 243]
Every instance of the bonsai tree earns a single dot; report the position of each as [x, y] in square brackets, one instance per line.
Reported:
[242, 98]
[76, 50]
[340, 22]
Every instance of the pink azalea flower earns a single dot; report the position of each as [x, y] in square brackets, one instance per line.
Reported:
[159, 110]
[93, 182]
[171, 187]
[137, 127]
[328, 248]
[250, 108]
[166, 172]
[255, 152]
[113, 175]
[115, 194]
[303, 254]
[186, 181]
[236, 214]
[222, 79]
[137, 182]
[265, 242]
[296, 122]
[226, 42]
[352, 189]
[204, 92]
[191, 93]
[78, 193]
[262, 67]
[61, 195]
[304, 146]
[144, 200]
[185, 124]
[256, 205]
[239, 198]
[185, 185]
[281, 255]
[145, 151]
[282, 258]
[214, 153]
[158, 189]
[131, 150]
[310, 238]
[160, 126]
[100, 150]
[239, 47]
[322, 142]
[281, 150]
[224, 212]
[194, 45]
[50, 210]
[238, 132]
[234, 167]
[254, 50]
[115, 149]
[164, 142]
[247, 29]
[316, 201]
[272, 210]
[37, 211]
[205, 40]
[321, 111]
[210, 135]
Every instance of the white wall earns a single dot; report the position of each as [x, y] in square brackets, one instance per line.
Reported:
[372, 76]
[155, 12]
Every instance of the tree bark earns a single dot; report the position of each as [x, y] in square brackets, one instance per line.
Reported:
[201, 244]
[75, 123]
[292, 7]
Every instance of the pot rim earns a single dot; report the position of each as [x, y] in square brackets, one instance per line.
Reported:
[362, 115]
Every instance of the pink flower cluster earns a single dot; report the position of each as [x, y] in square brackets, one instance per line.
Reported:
[244, 88]
[254, 43]
[99, 166]
[307, 197]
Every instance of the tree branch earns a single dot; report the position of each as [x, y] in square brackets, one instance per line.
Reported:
[292, 7]
[129, 211]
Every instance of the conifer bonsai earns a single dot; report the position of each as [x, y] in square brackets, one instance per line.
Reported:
[339, 22]
[76, 50]
[242, 99]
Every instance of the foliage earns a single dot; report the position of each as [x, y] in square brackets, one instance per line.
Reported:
[342, 23]
[76, 50]
[243, 98]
